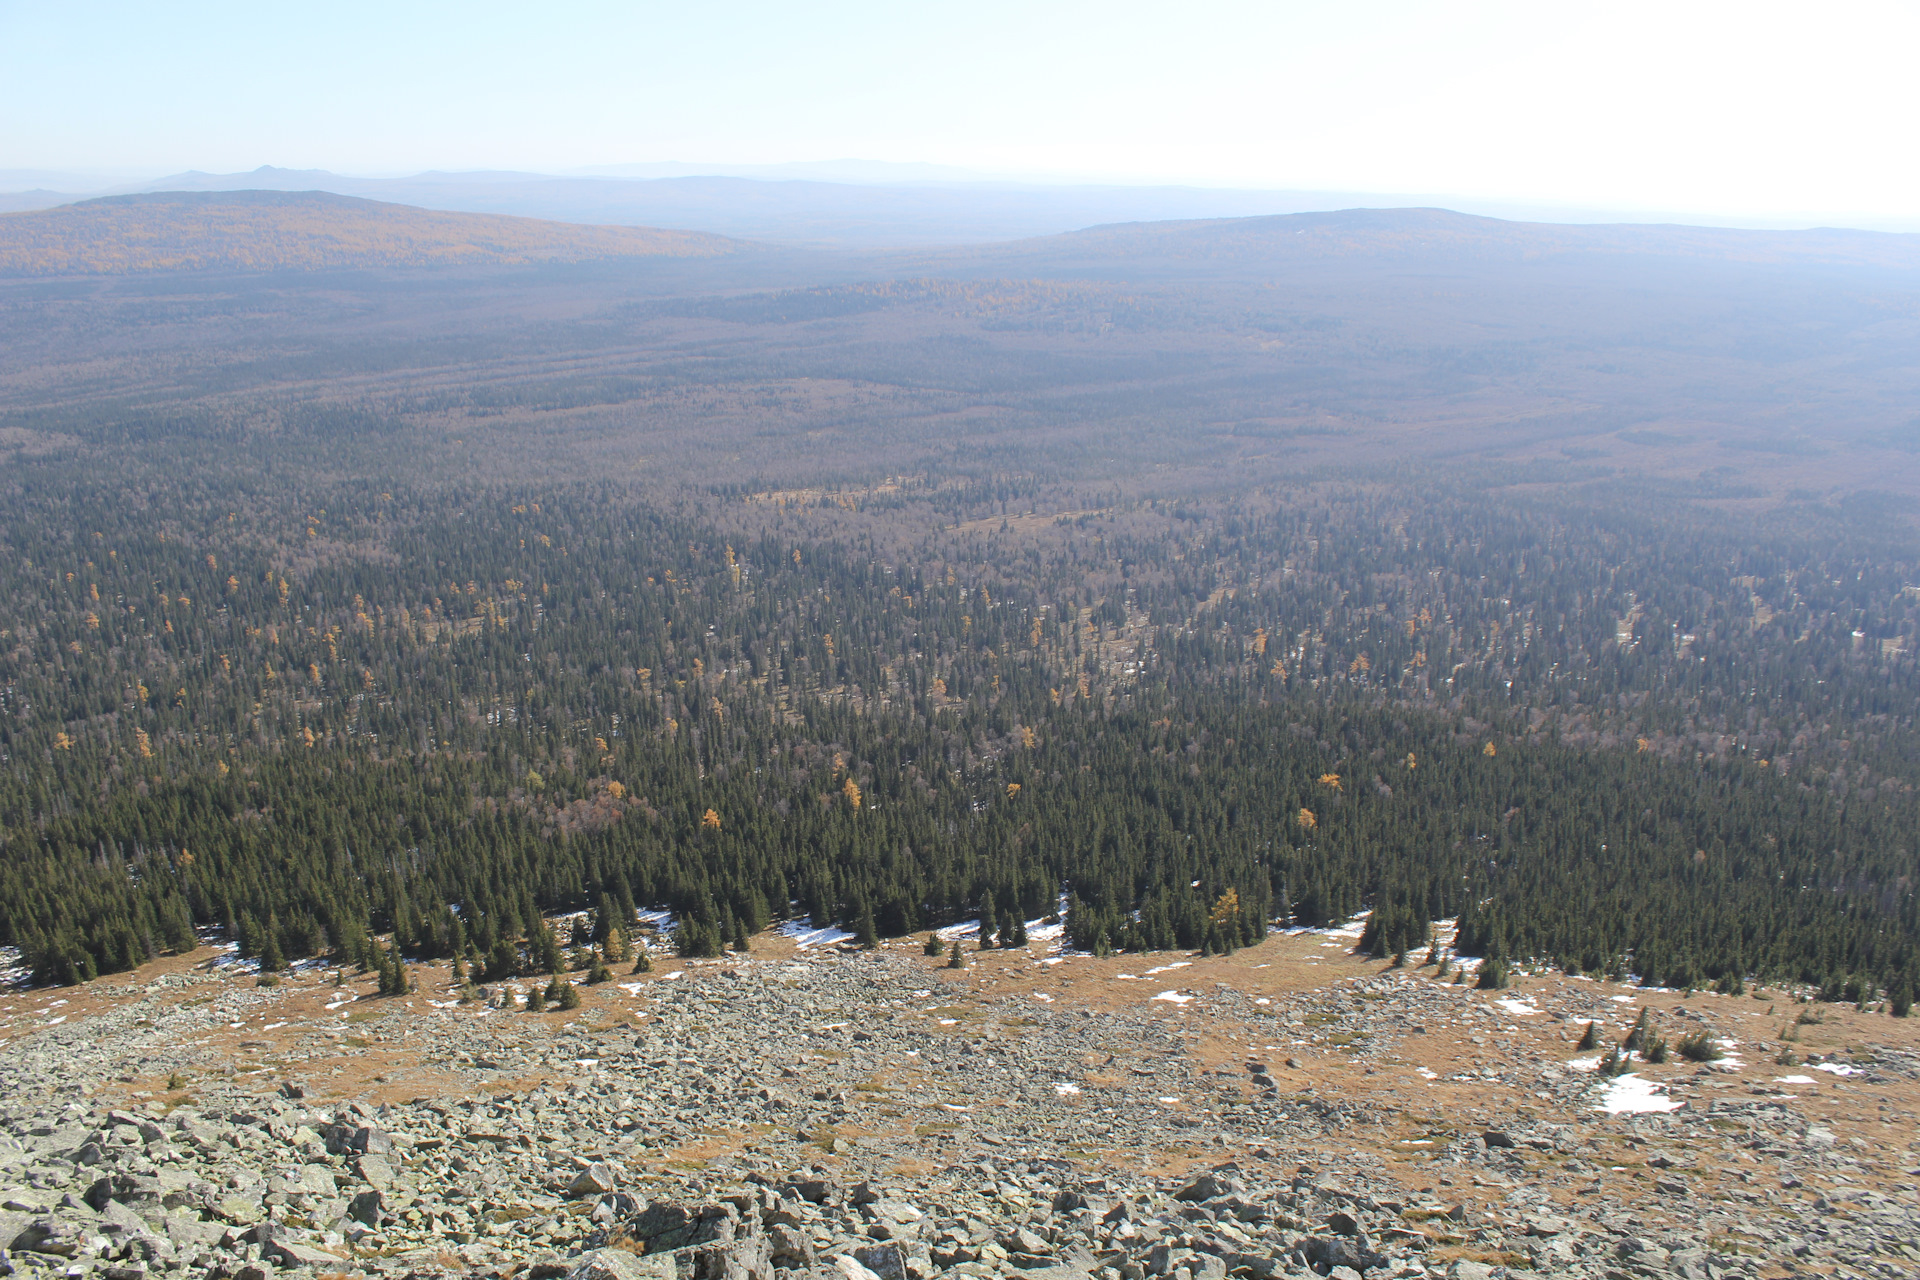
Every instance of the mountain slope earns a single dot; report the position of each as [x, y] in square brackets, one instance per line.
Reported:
[305, 231]
[1441, 238]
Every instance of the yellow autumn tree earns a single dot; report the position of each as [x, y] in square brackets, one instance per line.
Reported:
[851, 790]
[1306, 820]
[1487, 750]
[1331, 780]
[1226, 908]
[710, 821]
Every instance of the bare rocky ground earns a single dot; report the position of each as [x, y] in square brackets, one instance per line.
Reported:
[845, 1115]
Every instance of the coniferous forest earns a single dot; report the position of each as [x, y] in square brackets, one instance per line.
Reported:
[335, 625]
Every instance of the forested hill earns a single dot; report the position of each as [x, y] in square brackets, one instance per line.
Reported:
[1441, 239]
[305, 231]
[1581, 605]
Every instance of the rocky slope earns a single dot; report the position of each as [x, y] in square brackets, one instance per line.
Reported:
[826, 1113]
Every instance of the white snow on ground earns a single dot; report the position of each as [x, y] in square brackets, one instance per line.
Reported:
[1585, 1064]
[1838, 1068]
[1631, 1095]
[1520, 1007]
[14, 970]
[805, 935]
[632, 988]
[1066, 1090]
[1043, 997]
[1169, 968]
[1351, 930]
[1172, 997]
[1127, 977]
[1793, 1079]
[660, 919]
[1426, 1074]
[1038, 930]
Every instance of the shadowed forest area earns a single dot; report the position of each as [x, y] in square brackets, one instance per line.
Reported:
[1195, 576]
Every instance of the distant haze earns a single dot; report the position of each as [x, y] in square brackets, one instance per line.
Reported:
[1750, 114]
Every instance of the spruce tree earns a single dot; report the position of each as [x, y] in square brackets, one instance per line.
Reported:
[271, 959]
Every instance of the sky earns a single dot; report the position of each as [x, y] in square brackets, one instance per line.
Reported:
[1752, 110]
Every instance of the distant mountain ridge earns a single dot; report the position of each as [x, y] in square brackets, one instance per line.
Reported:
[1439, 238]
[305, 231]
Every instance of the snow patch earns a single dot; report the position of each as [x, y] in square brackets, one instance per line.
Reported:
[1631, 1095]
[1066, 1090]
[1172, 997]
[1169, 968]
[1519, 1007]
[1793, 1080]
[1837, 1068]
[805, 935]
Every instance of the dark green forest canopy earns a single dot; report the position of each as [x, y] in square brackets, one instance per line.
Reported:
[324, 616]
[443, 711]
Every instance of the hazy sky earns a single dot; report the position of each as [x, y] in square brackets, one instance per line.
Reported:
[1751, 109]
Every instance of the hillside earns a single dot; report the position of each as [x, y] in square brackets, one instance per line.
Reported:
[305, 231]
[1442, 238]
